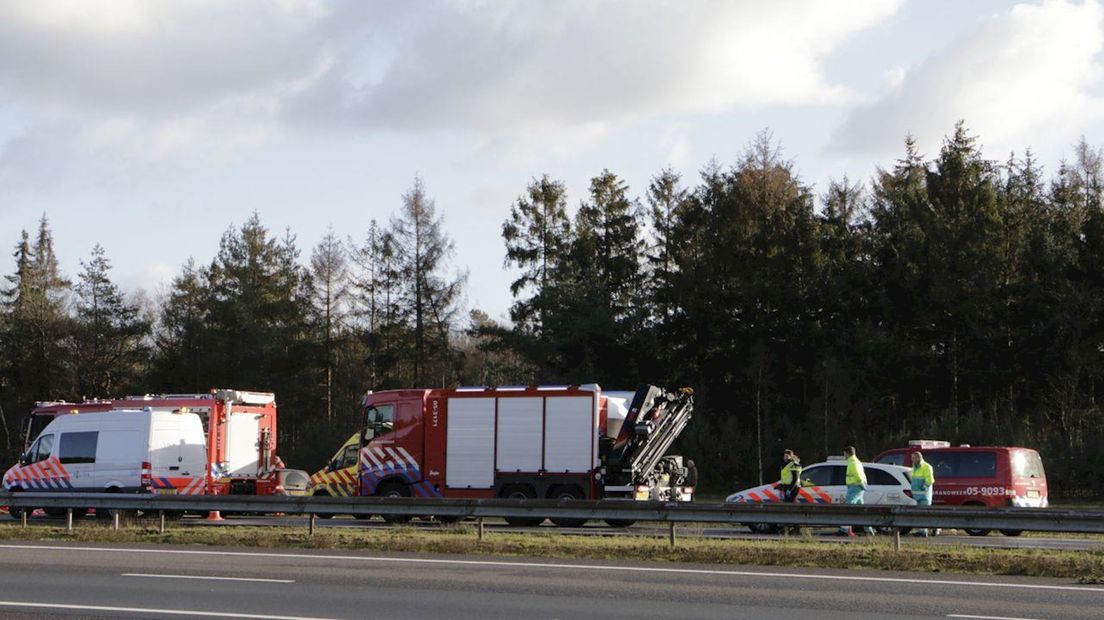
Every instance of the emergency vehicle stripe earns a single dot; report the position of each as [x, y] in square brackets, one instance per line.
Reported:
[770, 495]
[409, 458]
[822, 495]
[367, 452]
[398, 460]
[805, 495]
[754, 496]
[35, 471]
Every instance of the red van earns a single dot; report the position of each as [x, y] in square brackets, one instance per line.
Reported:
[978, 475]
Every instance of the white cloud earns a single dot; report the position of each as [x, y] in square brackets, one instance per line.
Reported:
[1025, 75]
[127, 82]
[489, 65]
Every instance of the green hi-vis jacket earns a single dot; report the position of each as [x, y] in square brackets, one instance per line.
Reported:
[790, 473]
[856, 475]
[923, 478]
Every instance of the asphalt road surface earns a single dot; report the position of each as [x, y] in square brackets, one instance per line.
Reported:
[47, 580]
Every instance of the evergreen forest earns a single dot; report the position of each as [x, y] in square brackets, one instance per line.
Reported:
[948, 296]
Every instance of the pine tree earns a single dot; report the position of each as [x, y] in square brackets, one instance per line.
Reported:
[182, 334]
[666, 202]
[109, 349]
[329, 271]
[537, 236]
[431, 294]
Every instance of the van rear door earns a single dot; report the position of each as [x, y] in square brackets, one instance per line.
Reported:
[122, 446]
[177, 452]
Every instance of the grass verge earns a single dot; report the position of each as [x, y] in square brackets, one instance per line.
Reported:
[878, 553]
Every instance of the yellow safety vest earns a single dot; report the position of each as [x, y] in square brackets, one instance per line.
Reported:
[856, 475]
[790, 472]
[923, 477]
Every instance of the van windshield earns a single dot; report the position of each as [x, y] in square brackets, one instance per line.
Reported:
[1027, 464]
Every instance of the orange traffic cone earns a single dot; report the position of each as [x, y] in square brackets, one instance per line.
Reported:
[214, 516]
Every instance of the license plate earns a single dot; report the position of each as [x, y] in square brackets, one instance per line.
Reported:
[164, 491]
[1032, 493]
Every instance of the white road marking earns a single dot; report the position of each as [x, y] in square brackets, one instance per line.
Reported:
[591, 567]
[986, 617]
[208, 577]
[154, 611]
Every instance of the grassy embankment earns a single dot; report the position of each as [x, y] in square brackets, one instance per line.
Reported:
[804, 551]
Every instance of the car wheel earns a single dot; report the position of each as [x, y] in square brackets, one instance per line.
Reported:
[1011, 532]
[620, 523]
[763, 528]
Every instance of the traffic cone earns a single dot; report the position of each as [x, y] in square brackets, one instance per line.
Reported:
[214, 516]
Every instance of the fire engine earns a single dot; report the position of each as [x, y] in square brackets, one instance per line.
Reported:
[240, 430]
[560, 442]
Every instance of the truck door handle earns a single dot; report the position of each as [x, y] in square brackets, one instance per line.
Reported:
[174, 468]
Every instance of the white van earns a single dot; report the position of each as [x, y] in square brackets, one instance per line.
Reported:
[124, 451]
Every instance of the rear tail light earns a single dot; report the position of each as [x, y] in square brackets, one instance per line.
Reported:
[147, 477]
[908, 493]
[643, 492]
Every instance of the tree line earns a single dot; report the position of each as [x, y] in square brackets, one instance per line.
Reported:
[951, 297]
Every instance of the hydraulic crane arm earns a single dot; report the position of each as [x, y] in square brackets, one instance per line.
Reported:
[655, 420]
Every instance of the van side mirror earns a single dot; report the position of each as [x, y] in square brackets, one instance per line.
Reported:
[24, 459]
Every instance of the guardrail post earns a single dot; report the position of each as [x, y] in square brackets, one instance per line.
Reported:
[69, 520]
[672, 524]
[479, 528]
[115, 518]
[896, 539]
[312, 519]
[161, 519]
[23, 517]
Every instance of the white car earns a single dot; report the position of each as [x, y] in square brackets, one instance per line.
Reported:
[823, 483]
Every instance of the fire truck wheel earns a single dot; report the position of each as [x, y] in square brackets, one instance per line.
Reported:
[521, 491]
[567, 493]
[620, 523]
[1011, 532]
[394, 489]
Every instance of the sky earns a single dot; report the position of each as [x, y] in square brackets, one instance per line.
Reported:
[151, 127]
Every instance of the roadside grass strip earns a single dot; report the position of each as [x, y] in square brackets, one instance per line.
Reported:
[801, 551]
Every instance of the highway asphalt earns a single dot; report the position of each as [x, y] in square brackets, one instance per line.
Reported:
[47, 580]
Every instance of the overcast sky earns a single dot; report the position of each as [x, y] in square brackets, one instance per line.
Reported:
[151, 127]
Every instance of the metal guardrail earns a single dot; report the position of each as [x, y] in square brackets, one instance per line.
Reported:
[949, 517]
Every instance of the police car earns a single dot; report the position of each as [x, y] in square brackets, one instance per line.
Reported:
[824, 483]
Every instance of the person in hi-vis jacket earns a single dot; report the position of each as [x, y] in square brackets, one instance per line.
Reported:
[923, 486]
[856, 486]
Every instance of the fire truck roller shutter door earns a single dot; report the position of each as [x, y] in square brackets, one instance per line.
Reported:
[243, 435]
[570, 429]
[519, 434]
[469, 454]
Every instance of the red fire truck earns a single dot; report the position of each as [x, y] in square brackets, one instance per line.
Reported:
[240, 428]
[567, 442]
